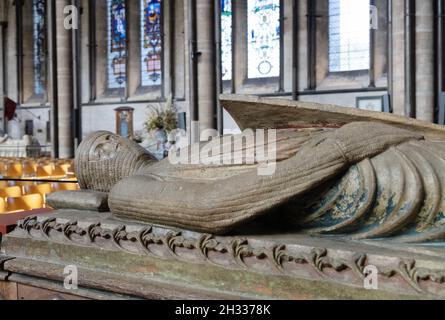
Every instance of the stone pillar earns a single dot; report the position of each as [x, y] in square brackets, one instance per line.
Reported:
[425, 60]
[2, 76]
[134, 52]
[288, 39]
[398, 57]
[206, 81]
[3, 47]
[239, 43]
[64, 81]
[303, 49]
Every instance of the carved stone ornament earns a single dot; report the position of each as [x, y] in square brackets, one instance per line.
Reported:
[251, 254]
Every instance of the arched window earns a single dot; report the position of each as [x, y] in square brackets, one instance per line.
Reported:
[39, 39]
[117, 44]
[226, 39]
[349, 35]
[263, 19]
[151, 43]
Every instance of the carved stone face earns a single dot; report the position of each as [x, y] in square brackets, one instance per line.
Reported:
[103, 159]
[105, 148]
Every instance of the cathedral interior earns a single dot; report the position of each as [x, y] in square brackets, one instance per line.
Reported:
[94, 93]
[67, 83]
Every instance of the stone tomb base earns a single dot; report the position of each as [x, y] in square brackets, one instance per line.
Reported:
[120, 259]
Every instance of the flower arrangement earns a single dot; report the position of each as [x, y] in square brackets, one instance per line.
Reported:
[162, 117]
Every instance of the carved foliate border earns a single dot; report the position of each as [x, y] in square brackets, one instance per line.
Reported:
[235, 253]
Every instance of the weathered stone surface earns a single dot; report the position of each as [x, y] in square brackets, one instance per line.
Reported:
[79, 200]
[103, 159]
[362, 180]
[217, 206]
[252, 112]
[8, 290]
[154, 262]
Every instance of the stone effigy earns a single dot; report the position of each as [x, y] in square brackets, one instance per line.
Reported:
[355, 202]
[362, 179]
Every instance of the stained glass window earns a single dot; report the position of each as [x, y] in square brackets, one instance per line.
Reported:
[151, 40]
[263, 38]
[39, 35]
[349, 36]
[226, 39]
[117, 43]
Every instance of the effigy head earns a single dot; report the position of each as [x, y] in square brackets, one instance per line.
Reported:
[103, 159]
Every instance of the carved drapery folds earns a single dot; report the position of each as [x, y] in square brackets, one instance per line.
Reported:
[379, 178]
